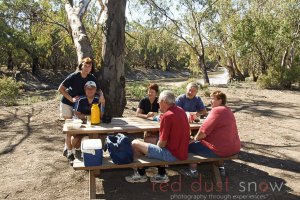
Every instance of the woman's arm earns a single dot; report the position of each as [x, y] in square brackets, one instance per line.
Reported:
[200, 135]
[62, 89]
[80, 115]
[139, 113]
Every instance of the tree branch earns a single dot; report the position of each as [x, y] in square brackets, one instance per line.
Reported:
[130, 35]
[164, 12]
[97, 22]
[83, 4]
[39, 21]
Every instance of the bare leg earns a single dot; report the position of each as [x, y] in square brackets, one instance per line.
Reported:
[140, 147]
[76, 141]
[193, 166]
[221, 163]
[151, 139]
[68, 142]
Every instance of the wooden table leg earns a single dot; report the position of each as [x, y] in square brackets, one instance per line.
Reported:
[216, 173]
[92, 184]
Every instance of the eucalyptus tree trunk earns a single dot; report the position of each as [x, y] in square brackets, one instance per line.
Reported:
[292, 55]
[202, 66]
[10, 63]
[240, 76]
[201, 58]
[78, 32]
[284, 57]
[230, 68]
[111, 75]
[35, 60]
[234, 72]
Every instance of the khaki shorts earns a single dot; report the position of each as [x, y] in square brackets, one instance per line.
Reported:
[65, 110]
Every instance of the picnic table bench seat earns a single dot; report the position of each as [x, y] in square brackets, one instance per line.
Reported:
[143, 161]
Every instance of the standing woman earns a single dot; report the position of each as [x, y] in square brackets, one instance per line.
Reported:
[73, 87]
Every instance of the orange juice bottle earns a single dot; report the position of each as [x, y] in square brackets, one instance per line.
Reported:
[95, 114]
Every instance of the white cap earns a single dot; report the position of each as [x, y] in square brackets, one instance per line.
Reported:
[90, 84]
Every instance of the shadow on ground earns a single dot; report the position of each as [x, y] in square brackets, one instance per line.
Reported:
[265, 108]
[241, 182]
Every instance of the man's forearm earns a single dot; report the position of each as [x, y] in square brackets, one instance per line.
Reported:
[201, 112]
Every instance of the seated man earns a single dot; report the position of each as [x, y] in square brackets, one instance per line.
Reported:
[82, 109]
[191, 103]
[174, 134]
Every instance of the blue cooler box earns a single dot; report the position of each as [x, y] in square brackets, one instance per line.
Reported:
[92, 152]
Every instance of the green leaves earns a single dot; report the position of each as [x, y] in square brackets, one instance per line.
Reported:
[9, 90]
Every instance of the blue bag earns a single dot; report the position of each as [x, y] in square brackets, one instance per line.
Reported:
[119, 148]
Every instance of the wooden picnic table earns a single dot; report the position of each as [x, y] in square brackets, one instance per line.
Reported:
[126, 125]
[132, 125]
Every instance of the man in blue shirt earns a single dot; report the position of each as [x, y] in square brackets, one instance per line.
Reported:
[82, 108]
[190, 102]
[84, 104]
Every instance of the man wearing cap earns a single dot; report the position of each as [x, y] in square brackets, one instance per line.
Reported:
[82, 109]
[83, 106]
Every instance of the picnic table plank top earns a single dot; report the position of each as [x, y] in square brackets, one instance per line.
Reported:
[121, 124]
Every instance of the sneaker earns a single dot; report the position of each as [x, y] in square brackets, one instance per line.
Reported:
[78, 154]
[160, 179]
[189, 173]
[65, 153]
[71, 158]
[136, 178]
[222, 171]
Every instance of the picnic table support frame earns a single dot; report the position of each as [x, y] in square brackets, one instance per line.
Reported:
[216, 173]
[92, 184]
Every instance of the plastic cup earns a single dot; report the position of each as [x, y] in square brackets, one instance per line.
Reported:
[88, 121]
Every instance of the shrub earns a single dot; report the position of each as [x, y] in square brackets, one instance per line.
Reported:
[279, 78]
[179, 90]
[9, 90]
[136, 90]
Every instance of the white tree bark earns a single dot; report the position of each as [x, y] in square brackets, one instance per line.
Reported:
[81, 41]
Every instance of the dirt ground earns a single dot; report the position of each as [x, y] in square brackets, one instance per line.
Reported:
[32, 165]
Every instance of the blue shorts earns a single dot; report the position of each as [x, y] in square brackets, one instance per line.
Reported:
[155, 151]
[201, 150]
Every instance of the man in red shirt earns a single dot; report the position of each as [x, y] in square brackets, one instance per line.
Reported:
[174, 134]
[218, 135]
